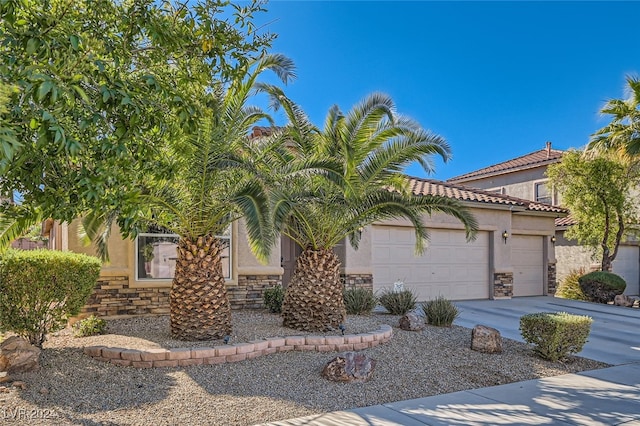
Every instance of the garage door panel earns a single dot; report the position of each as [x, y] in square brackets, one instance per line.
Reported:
[527, 257]
[627, 265]
[450, 266]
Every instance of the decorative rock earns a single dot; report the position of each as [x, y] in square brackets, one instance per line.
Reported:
[4, 389]
[4, 377]
[349, 367]
[486, 339]
[17, 355]
[44, 391]
[623, 300]
[19, 384]
[411, 322]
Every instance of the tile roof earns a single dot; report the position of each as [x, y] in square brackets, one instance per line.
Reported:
[433, 187]
[565, 221]
[533, 159]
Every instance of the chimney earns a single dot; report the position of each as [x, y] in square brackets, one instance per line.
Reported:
[548, 150]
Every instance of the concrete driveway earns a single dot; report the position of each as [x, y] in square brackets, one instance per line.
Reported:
[615, 332]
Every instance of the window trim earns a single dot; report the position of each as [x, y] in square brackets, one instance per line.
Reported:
[538, 183]
[149, 234]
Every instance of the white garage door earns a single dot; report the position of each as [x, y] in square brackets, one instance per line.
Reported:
[627, 265]
[450, 266]
[528, 265]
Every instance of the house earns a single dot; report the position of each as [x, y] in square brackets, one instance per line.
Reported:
[525, 177]
[511, 256]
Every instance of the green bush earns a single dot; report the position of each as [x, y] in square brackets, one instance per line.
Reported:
[601, 287]
[90, 326]
[569, 288]
[555, 335]
[359, 301]
[41, 289]
[398, 303]
[440, 312]
[273, 298]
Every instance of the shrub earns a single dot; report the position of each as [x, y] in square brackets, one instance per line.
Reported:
[440, 312]
[555, 335]
[41, 289]
[273, 298]
[398, 303]
[90, 326]
[359, 301]
[569, 288]
[601, 287]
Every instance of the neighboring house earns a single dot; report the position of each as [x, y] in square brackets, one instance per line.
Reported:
[525, 177]
[511, 256]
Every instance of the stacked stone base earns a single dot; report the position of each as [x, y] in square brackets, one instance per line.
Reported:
[184, 357]
[113, 296]
[503, 285]
[351, 281]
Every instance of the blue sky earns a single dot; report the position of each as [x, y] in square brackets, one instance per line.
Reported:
[496, 79]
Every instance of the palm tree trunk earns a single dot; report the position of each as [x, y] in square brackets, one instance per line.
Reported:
[200, 308]
[313, 300]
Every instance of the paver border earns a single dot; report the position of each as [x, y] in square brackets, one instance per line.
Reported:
[183, 357]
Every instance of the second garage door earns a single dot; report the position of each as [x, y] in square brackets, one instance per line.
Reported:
[627, 266]
[528, 265]
[450, 267]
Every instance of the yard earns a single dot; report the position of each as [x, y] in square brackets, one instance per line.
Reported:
[72, 388]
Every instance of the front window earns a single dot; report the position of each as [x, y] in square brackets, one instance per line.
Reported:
[156, 255]
[542, 193]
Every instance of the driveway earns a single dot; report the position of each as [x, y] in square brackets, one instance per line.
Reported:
[615, 332]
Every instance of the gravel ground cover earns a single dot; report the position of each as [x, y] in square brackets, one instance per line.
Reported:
[72, 388]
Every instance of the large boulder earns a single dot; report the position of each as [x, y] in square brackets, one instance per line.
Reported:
[349, 367]
[412, 322]
[17, 355]
[486, 339]
[623, 300]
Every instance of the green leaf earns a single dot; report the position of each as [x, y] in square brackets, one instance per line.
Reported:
[33, 124]
[80, 91]
[32, 46]
[74, 41]
[44, 89]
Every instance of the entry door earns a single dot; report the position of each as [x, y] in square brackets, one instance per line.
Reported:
[289, 253]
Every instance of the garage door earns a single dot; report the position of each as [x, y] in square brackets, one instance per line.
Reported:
[450, 267]
[527, 257]
[627, 265]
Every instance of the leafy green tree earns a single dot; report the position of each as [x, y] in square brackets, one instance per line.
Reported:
[623, 133]
[359, 157]
[93, 90]
[209, 180]
[597, 191]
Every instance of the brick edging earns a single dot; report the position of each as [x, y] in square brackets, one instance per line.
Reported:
[183, 357]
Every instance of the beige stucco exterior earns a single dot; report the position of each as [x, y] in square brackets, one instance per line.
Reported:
[122, 256]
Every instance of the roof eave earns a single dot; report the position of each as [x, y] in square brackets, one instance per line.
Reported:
[505, 172]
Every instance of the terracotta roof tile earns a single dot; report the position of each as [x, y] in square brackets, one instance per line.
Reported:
[565, 221]
[533, 159]
[433, 187]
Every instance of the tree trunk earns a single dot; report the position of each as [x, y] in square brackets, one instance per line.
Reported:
[313, 300]
[200, 308]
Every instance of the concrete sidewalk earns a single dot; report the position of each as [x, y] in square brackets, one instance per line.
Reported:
[609, 396]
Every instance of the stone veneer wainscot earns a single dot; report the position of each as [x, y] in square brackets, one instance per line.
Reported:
[113, 296]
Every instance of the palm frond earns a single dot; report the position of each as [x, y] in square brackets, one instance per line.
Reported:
[14, 225]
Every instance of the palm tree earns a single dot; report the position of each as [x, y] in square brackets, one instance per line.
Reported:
[210, 180]
[358, 180]
[623, 133]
